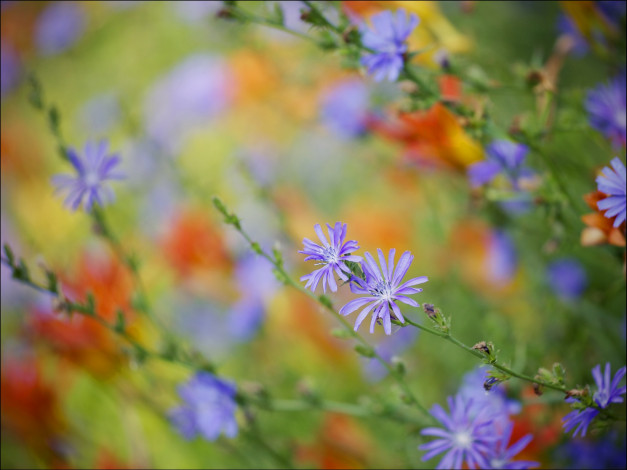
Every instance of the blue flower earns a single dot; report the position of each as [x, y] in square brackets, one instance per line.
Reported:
[568, 27]
[607, 392]
[502, 259]
[504, 157]
[493, 402]
[89, 185]
[345, 108]
[465, 436]
[606, 452]
[383, 289]
[567, 278]
[332, 256]
[612, 183]
[195, 91]
[387, 40]
[10, 68]
[59, 26]
[500, 456]
[606, 106]
[209, 408]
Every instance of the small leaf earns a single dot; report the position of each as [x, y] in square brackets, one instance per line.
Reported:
[365, 351]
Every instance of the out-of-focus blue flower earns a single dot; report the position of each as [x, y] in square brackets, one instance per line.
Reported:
[257, 284]
[567, 278]
[504, 157]
[612, 182]
[208, 409]
[602, 453]
[390, 346]
[345, 108]
[501, 457]
[90, 185]
[606, 106]
[9, 68]
[613, 10]
[493, 402]
[608, 392]
[100, 113]
[59, 26]
[196, 12]
[383, 291]
[190, 95]
[566, 26]
[502, 258]
[332, 256]
[387, 38]
[465, 436]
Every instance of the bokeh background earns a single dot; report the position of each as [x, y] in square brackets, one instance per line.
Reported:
[287, 137]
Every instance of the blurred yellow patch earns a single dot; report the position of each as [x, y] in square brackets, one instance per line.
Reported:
[49, 227]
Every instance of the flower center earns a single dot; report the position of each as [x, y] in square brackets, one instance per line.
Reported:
[383, 290]
[330, 255]
[463, 440]
[91, 179]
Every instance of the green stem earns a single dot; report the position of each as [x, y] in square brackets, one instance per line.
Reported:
[450, 338]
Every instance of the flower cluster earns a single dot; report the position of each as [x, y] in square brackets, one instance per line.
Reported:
[209, 408]
[381, 285]
[477, 430]
[607, 392]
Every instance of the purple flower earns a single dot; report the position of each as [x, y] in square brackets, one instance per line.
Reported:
[500, 456]
[59, 26]
[257, 285]
[493, 403]
[606, 452]
[612, 183]
[345, 108]
[465, 436]
[188, 97]
[332, 255]
[387, 39]
[607, 392]
[503, 157]
[566, 26]
[10, 68]
[606, 106]
[502, 259]
[208, 409]
[382, 291]
[567, 278]
[89, 185]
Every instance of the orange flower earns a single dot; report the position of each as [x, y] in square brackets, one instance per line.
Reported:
[194, 244]
[599, 228]
[31, 409]
[434, 137]
[341, 443]
[78, 338]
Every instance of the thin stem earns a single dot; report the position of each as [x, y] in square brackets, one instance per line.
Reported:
[450, 338]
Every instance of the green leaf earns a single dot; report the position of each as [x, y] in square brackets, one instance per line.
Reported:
[365, 351]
